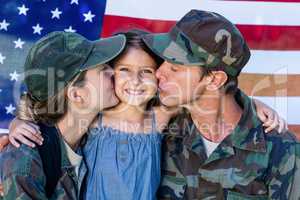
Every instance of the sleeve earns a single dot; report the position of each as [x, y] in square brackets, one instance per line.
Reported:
[23, 188]
[22, 174]
[285, 181]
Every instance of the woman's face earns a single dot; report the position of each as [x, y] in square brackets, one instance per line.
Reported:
[135, 81]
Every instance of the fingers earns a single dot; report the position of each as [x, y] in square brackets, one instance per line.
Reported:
[34, 137]
[273, 125]
[26, 133]
[25, 141]
[36, 127]
[3, 141]
[281, 125]
[269, 119]
[32, 134]
[13, 141]
[262, 116]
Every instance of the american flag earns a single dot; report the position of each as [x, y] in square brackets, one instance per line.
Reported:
[24, 22]
[271, 28]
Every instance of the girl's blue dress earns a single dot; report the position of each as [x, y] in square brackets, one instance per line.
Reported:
[122, 166]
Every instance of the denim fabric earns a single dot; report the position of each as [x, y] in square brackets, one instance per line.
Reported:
[122, 166]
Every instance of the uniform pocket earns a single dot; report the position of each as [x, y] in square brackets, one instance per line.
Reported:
[239, 196]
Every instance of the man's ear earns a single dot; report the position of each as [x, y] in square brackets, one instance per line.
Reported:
[74, 94]
[216, 79]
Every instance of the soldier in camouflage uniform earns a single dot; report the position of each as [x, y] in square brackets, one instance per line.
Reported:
[204, 54]
[80, 64]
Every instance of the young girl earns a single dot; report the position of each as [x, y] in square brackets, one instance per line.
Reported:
[122, 151]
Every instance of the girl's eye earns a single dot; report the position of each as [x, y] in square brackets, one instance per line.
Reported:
[147, 71]
[123, 69]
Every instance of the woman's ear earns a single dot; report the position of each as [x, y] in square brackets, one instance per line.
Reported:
[74, 94]
[216, 79]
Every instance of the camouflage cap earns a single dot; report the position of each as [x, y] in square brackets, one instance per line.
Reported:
[202, 38]
[58, 57]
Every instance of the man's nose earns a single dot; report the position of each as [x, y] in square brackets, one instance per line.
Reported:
[161, 72]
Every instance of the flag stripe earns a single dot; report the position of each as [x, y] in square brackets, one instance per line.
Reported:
[270, 85]
[239, 12]
[3, 131]
[295, 129]
[260, 37]
[273, 62]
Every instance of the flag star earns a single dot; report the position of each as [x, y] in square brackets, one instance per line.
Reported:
[23, 10]
[74, 1]
[14, 76]
[4, 25]
[19, 43]
[2, 58]
[10, 109]
[70, 29]
[88, 16]
[37, 29]
[0, 90]
[56, 13]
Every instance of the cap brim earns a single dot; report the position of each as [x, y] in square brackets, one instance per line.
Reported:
[163, 45]
[105, 50]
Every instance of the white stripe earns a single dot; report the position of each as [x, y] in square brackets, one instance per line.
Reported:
[239, 12]
[287, 107]
[3, 131]
[273, 62]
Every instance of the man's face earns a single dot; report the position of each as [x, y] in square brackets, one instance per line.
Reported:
[179, 84]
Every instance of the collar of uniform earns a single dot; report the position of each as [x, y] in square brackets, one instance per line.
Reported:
[249, 132]
[191, 136]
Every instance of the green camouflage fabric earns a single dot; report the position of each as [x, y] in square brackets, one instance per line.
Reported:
[247, 165]
[202, 38]
[21, 173]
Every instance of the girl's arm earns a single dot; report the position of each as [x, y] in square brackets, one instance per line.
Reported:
[24, 132]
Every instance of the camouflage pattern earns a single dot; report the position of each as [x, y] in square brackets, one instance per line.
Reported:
[248, 164]
[21, 173]
[202, 38]
[60, 56]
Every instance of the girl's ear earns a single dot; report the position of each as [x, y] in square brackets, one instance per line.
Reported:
[216, 80]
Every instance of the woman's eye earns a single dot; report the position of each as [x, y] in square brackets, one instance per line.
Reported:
[174, 69]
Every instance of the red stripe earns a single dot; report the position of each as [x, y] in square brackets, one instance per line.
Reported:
[263, 37]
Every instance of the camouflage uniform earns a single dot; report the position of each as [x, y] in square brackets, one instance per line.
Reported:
[248, 164]
[22, 175]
